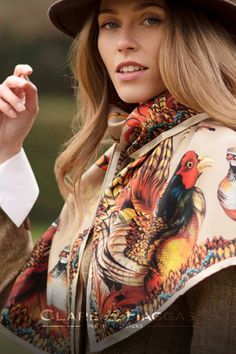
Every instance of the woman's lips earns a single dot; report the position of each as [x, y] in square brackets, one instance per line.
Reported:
[129, 76]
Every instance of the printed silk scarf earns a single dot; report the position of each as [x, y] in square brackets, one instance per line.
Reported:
[154, 235]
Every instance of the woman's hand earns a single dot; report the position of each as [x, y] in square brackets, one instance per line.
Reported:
[18, 110]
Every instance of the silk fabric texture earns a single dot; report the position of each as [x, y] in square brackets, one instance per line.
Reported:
[160, 208]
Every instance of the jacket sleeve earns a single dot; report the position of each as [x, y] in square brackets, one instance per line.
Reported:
[15, 248]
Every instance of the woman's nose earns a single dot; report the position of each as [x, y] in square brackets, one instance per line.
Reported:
[126, 41]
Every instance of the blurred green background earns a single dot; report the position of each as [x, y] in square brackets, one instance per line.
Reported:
[27, 36]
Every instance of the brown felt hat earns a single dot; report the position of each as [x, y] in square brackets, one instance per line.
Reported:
[69, 16]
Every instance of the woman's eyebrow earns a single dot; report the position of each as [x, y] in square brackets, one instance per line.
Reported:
[148, 4]
[138, 7]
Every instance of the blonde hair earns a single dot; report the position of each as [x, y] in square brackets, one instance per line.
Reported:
[201, 70]
[197, 64]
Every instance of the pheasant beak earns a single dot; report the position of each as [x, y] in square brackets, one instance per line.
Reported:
[204, 162]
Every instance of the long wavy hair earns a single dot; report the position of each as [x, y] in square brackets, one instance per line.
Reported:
[197, 62]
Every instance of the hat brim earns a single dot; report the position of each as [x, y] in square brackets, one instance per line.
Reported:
[69, 16]
[223, 10]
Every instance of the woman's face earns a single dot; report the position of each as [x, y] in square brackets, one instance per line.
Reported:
[130, 34]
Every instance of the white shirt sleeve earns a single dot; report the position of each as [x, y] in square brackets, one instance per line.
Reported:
[18, 188]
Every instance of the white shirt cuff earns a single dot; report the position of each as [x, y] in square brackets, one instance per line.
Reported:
[18, 188]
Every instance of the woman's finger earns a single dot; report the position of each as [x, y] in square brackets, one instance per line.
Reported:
[11, 99]
[31, 98]
[6, 109]
[20, 93]
[15, 82]
[22, 70]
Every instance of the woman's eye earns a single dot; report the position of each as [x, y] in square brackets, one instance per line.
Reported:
[110, 25]
[151, 21]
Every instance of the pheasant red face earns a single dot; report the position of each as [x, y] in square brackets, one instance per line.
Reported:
[191, 167]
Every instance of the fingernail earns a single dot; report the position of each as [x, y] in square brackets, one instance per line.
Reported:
[28, 67]
[20, 107]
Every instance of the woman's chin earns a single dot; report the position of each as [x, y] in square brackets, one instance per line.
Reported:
[134, 98]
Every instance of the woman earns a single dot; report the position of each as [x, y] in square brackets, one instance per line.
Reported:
[142, 257]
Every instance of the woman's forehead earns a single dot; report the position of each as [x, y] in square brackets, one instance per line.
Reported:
[107, 4]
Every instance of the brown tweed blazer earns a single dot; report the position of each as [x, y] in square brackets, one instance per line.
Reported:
[15, 247]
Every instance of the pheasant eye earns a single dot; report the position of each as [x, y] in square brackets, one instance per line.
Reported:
[189, 164]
